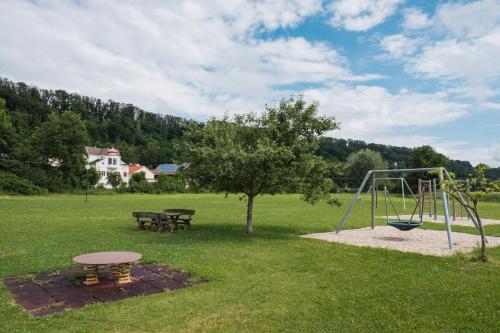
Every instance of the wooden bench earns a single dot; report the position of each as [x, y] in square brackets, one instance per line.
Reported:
[184, 218]
[157, 221]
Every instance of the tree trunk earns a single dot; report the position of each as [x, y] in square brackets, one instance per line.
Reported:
[482, 255]
[250, 215]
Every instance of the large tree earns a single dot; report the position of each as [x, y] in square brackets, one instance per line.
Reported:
[60, 143]
[7, 133]
[427, 157]
[256, 154]
[360, 162]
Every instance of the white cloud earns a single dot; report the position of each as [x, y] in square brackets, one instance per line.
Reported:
[368, 112]
[489, 154]
[491, 105]
[191, 58]
[374, 114]
[459, 47]
[415, 19]
[361, 15]
[470, 19]
[399, 46]
[473, 61]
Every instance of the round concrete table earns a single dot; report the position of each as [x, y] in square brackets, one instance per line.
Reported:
[119, 262]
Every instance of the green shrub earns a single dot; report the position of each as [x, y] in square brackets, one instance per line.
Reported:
[12, 184]
[140, 187]
[170, 184]
[492, 197]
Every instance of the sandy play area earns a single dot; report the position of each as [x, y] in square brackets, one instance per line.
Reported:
[429, 242]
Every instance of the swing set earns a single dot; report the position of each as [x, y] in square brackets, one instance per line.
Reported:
[401, 224]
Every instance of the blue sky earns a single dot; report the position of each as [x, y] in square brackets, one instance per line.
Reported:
[396, 72]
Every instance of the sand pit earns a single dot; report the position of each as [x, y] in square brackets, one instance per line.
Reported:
[440, 219]
[428, 242]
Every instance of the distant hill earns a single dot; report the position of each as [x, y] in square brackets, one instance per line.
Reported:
[142, 137]
[339, 149]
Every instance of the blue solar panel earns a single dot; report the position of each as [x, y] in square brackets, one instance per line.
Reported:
[167, 168]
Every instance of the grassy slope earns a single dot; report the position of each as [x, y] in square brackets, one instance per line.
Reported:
[274, 281]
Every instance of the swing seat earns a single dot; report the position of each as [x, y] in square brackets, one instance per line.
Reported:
[404, 225]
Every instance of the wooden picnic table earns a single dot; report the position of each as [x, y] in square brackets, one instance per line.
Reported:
[118, 260]
[159, 220]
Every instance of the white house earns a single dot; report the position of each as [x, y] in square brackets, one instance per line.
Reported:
[136, 168]
[106, 161]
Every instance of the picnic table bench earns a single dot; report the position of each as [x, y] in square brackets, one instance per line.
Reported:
[184, 218]
[170, 219]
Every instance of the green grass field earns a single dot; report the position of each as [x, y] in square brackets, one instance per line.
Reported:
[274, 281]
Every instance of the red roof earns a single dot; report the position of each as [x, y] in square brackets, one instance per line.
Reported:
[134, 168]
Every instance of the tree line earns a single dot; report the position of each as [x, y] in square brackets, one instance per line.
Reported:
[43, 134]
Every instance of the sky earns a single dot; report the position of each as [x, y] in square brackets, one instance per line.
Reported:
[404, 73]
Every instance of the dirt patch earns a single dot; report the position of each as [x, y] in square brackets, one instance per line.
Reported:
[48, 293]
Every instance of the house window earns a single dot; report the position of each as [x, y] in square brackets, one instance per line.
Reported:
[124, 174]
[110, 160]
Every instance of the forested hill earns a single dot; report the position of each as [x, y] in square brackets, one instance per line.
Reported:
[38, 126]
[141, 136]
[340, 149]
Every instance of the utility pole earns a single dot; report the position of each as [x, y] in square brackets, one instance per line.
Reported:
[87, 168]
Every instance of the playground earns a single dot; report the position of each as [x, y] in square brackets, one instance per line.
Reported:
[273, 281]
[396, 235]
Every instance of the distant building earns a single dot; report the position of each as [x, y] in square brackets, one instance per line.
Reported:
[166, 169]
[106, 161]
[136, 168]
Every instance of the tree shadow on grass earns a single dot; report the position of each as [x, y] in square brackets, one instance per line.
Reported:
[223, 233]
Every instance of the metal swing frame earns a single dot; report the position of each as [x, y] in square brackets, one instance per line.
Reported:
[373, 174]
[384, 179]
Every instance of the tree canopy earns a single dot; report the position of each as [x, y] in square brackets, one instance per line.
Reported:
[360, 162]
[256, 154]
[427, 157]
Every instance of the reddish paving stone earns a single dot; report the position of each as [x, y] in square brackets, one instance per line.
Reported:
[178, 277]
[103, 284]
[106, 295]
[27, 288]
[139, 273]
[15, 283]
[47, 311]
[49, 293]
[165, 284]
[152, 277]
[168, 272]
[44, 277]
[35, 300]
[139, 289]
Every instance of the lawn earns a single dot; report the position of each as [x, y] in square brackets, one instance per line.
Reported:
[273, 281]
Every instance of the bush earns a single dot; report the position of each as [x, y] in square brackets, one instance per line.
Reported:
[170, 184]
[12, 184]
[140, 187]
[492, 197]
